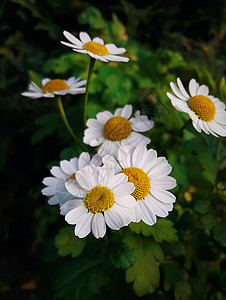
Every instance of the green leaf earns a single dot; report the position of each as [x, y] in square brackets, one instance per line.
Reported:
[219, 233]
[68, 243]
[202, 206]
[145, 272]
[207, 221]
[182, 291]
[162, 230]
[121, 255]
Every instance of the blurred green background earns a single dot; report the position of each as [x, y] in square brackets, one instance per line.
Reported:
[164, 40]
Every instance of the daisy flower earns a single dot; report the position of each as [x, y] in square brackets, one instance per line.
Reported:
[53, 87]
[149, 174]
[95, 48]
[106, 200]
[112, 130]
[61, 174]
[206, 112]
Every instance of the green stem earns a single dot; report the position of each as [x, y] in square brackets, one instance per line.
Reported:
[91, 66]
[63, 115]
[175, 135]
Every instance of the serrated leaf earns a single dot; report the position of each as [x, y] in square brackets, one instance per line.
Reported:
[67, 243]
[162, 230]
[145, 272]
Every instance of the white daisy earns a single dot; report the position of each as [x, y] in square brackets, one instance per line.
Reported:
[112, 130]
[106, 201]
[95, 48]
[66, 171]
[206, 112]
[53, 87]
[149, 174]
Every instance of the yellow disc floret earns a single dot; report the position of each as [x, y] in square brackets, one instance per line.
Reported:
[55, 85]
[99, 199]
[140, 180]
[96, 48]
[117, 128]
[72, 176]
[203, 107]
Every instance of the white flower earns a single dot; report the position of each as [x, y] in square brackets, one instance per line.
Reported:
[149, 174]
[95, 48]
[206, 112]
[53, 87]
[110, 131]
[66, 171]
[106, 200]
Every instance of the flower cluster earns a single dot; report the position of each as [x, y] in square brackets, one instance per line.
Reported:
[125, 181]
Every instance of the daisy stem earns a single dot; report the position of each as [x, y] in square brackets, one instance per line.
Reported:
[175, 135]
[218, 148]
[91, 66]
[63, 115]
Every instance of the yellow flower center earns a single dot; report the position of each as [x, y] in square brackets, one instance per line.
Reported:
[140, 180]
[203, 107]
[117, 128]
[55, 85]
[72, 176]
[99, 199]
[96, 48]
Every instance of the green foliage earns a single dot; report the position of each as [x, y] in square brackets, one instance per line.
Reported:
[182, 256]
[67, 243]
[162, 230]
[145, 272]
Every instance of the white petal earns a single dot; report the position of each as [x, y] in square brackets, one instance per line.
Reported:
[177, 92]
[126, 201]
[146, 213]
[104, 116]
[85, 38]
[67, 167]
[117, 180]
[158, 208]
[110, 162]
[163, 195]
[166, 183]
[76, 214]
[75, 189]
[136, 138]
[124, 156]
[124, 189]
[203, 90]
[193, 87]
[105, 175]
[69, 205]
[217, 128]
[98, 40]
[220, 117]
[48, 191]
[181, 87]
[50, 181]
[53, 200]
[141, 123]
[57, 172]
[45, 80]
[98, 226]
[126, 111]
[161, 170]
[83, 228]
[117, 217]
[83, 160]
[117, 58]
[112, 49]
[72, 38]
[139, 156]
[87, 177]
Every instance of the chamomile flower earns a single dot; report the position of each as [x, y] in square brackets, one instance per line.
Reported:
[102, 198]
[51, 88]
[61, 174]
[109, 131]
[206, 112]
[95, 48]
[149, 174]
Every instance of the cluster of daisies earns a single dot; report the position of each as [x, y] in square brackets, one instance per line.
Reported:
[124, 181]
